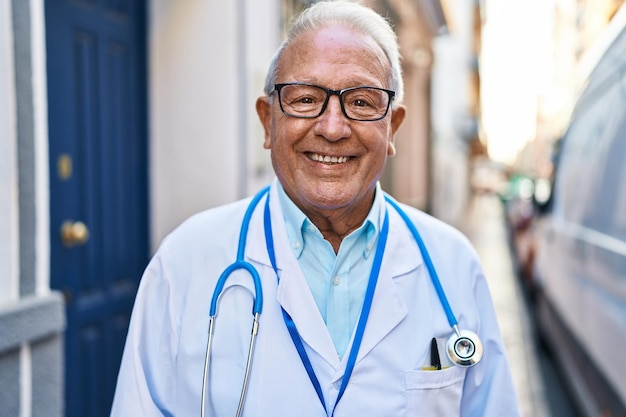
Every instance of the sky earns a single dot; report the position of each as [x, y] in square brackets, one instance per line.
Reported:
[515, 60]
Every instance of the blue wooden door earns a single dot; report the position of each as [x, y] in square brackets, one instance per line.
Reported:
[98, 184]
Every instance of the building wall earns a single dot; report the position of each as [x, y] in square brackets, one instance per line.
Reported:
[453, 112]
[207, 67]
[9, 259]
[31, 317]
[408, 174]
[208, 63]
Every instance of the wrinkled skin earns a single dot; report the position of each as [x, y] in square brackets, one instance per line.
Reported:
[335, 195]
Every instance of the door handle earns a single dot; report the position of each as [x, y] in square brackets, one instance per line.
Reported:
[74, 233]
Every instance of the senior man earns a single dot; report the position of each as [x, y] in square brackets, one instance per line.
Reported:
[360, 294]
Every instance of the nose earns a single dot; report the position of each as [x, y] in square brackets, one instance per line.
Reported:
[333, 124]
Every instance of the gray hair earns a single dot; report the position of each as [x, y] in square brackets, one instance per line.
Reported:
[351, 15]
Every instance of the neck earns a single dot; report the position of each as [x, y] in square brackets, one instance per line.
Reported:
[336, 224]
[335, 230]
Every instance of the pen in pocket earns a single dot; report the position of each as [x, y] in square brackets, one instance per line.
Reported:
[435, 360]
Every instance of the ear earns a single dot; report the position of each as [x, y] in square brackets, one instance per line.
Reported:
[397, 116]
[264, 111]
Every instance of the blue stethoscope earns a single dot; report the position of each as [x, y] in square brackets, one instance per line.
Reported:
[463, 348]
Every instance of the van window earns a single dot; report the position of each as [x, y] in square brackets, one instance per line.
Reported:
[617, 227]
[612, 219]
[583, 152]
[607, 72]
[585, 149]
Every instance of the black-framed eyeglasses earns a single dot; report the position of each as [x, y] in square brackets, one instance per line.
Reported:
[308, 101]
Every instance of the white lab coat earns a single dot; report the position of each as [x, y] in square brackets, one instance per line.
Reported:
[162, 367]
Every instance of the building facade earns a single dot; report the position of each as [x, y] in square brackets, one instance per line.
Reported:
[119, 119]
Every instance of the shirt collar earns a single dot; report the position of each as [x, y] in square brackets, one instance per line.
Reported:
[296, 221]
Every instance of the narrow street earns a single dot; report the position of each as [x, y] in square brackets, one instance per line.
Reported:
[539, 386]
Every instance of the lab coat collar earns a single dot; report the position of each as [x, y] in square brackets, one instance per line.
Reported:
[388, 308]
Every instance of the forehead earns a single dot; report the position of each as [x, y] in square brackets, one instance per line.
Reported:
[335, 57]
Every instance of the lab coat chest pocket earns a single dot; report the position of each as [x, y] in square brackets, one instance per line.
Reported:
[434, 393]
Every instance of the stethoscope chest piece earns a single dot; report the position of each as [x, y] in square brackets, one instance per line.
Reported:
[464, 348]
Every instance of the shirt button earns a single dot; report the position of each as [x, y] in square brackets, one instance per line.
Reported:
[336, 281]
[295, 245]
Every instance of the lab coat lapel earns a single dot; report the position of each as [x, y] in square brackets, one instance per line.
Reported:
[388, 306]
[296, 299]
[293, 293]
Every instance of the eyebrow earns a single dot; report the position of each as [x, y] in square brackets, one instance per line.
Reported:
[346, 84]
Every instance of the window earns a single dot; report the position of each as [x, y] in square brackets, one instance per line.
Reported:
[611, 218]
[589, 167]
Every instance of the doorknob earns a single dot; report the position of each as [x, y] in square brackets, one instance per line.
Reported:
[74, 233]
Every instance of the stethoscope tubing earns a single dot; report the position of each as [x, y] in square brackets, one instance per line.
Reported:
[459, 337]
[257, 307]
[240, 263]
[434, 277]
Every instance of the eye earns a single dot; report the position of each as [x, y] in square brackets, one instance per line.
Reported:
[361, 103]
[302, 95]
[363, 98]
[306, 100]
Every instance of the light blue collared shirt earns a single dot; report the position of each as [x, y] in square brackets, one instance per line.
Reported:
[337, 281]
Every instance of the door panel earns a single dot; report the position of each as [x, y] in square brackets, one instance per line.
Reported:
[98, 184]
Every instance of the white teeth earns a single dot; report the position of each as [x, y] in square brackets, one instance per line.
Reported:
[328, 159]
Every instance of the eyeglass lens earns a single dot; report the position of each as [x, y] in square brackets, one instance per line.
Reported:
[362, 103]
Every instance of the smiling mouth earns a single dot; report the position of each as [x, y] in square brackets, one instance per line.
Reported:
[327, 159]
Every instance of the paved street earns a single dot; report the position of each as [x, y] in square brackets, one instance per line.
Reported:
[539, 387]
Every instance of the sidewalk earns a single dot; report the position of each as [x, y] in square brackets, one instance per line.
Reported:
[485, 227]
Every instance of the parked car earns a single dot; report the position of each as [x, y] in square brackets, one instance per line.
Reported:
[580, 243]
[519, 212]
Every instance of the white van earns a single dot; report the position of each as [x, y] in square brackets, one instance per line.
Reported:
[580, 265]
